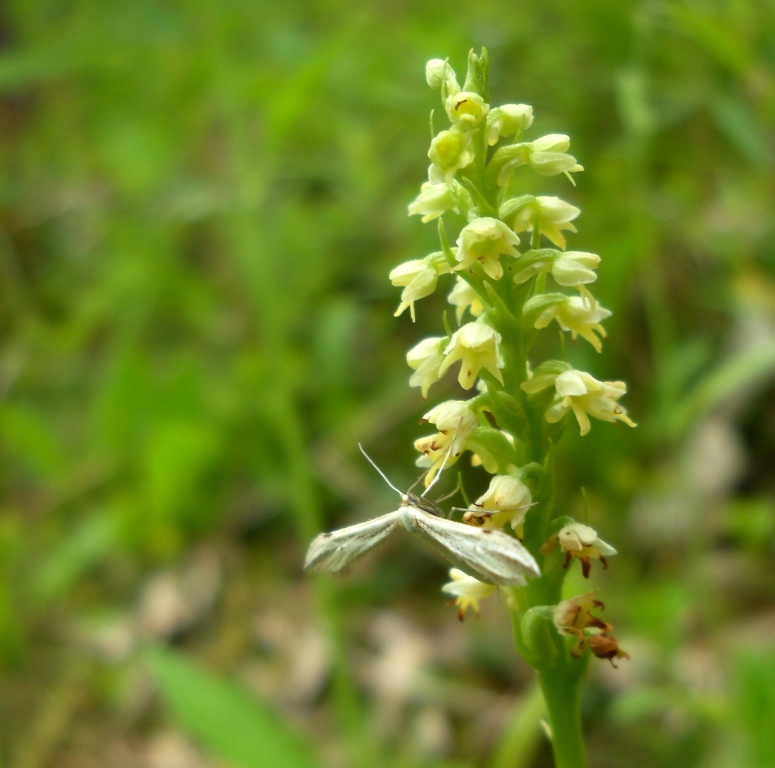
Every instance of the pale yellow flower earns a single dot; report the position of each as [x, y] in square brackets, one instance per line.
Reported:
[485, 240]
[418, 278]
[452, 150]
[455, 421]
[508, 120]
[467, 590]
[568, 268]
[463, 297]
[546, 155]
[581, 393]
[549, 215]
[581, 315]
[505, 501]
[582, 542]
[466, 107]
[425, 359]
[477, 346]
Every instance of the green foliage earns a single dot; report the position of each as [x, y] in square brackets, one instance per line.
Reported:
[199, 207]
[225, 718]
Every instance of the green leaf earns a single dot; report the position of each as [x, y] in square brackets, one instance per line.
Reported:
[89, 542]
[225, 718]
[742, 372]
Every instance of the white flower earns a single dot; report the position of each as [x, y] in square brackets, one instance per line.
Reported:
[581, 315]
[467, 590]
[569, 268]
[419, 278]
[437, 197]
[506, 500]
[425, 359]
[455, 421]
[573, 268]
[477, 346]
[484, 240]
[465, 107]
[549, 215]
[463, 297]
[545, 155]
[584, 395]
[508, 120]
[548, 156]
[581, 541]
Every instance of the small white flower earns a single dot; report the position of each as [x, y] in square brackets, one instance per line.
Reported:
[467, 590]
[455, 421]
[581, 315]
[549, 215]
[573, 268]
[545, 155]
[581, 393]
[568, 268]
[581, 541]
[418, 278]
[477, 346]
[485, 240]
[425, 359]
[437, 197]
[508, 120]
[548, 156]
[506, 501]
[463, 297]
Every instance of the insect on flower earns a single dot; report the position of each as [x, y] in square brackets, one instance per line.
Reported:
[492, 556]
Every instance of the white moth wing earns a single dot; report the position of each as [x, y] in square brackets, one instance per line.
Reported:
[336, 551]
[490, 555]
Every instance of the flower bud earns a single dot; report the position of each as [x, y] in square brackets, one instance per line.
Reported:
[437, 72]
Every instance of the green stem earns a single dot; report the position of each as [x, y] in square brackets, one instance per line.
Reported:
[562, 702]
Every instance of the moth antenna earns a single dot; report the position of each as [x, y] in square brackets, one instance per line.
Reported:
[449, 495]
[417, 482]
[382, 474]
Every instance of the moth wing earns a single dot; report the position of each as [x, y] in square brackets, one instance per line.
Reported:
[490, 555]
[336, 551]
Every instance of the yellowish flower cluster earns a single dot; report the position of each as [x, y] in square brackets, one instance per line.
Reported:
[513, 278]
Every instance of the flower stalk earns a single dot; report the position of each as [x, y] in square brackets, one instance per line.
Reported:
[510, 278]
[513, 279]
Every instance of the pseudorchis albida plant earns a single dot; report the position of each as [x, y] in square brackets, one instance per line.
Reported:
[508, 278]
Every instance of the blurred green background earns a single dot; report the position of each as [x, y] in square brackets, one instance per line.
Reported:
[200, 205]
